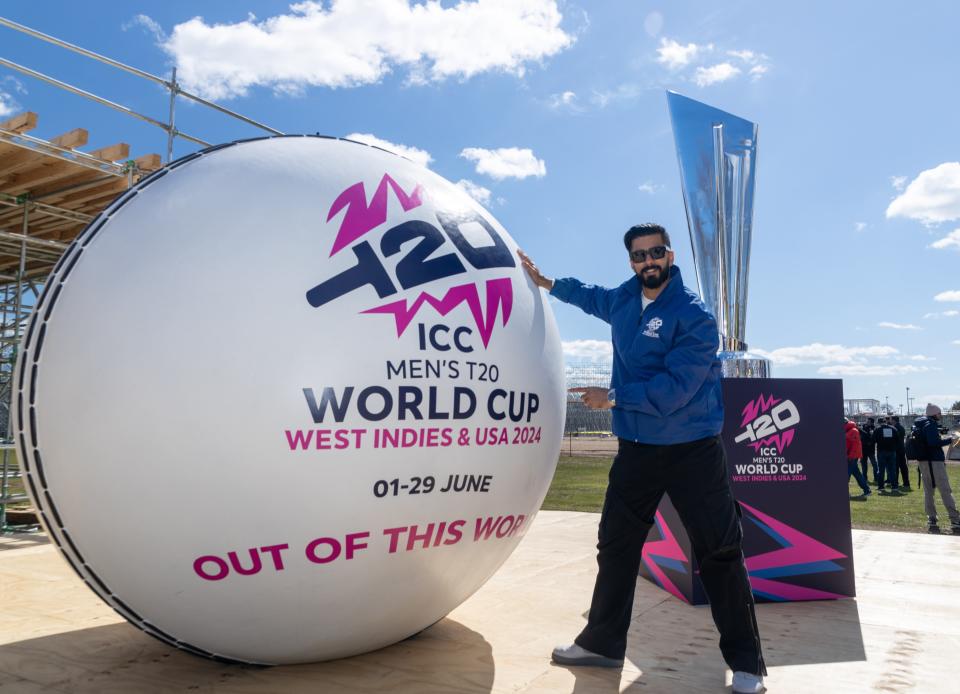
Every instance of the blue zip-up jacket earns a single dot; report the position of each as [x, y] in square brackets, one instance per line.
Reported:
[931, 433]
[665, 368]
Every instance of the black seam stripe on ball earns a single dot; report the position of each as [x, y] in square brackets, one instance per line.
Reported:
[53, 302]
[39, 465]
[45, 502]
[33, 388]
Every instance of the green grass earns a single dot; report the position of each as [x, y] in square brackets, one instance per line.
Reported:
[905, 512]
[580, 481]
[578, 484]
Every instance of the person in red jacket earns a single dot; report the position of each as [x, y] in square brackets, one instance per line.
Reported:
[854, 453]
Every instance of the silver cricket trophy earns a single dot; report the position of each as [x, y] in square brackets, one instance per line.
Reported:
[718, 160]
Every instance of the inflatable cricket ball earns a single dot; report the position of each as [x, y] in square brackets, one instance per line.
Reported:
[288, 400]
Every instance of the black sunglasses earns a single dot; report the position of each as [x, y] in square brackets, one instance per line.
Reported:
[657, 252]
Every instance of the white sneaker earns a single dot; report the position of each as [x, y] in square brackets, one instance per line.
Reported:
[574, 655]
[745, 683]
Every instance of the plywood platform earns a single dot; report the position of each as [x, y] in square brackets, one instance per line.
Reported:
[902, 633]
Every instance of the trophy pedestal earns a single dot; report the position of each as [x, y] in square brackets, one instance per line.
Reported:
[785, 448]
[744, 365]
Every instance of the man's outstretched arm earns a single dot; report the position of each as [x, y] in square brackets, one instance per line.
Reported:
[593, 300]
[538, 277]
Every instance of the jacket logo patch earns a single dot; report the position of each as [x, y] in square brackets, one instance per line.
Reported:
[653, 325]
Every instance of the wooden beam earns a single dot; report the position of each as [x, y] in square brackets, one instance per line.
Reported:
[148, 162]
[83, 178]
[23, 183]
[74, 200]
[71, 140]
[21, 123]
[19, 160]
[116, 152]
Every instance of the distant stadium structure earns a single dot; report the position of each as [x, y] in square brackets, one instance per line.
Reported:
[581, 373]
[861, 406]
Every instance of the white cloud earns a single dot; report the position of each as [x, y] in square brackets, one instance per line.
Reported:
[955, 342]
[624, 92]
[417, 156]
[932, 197]
[951, 240]
[745, 56]
[691, 61]
[944, 400]
[675, 55]
[506, 162]
[818, 353]
[871, 370]
[860, 226]
[475, 191]
[945, 314]
[839, 360]
[898, 326]
[721, 72]
[588, 349]
[150, 25]
[8, 105]
[348, 43]
[564, 100]
[898, 182]
[650, 187]
[952, 295]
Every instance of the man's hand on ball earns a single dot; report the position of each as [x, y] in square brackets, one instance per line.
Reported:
[538, 277]
[594, 398]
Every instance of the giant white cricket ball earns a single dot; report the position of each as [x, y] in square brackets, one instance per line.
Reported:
[289, 399]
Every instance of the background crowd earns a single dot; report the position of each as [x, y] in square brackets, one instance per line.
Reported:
[883, 446]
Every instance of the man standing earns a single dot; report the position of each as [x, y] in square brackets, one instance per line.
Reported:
[885, 437]
[866, 441]
[933, 471]
[901, 453]
[667, 414]
[854, 453]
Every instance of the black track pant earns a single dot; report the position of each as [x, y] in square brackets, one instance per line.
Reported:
[695, 476]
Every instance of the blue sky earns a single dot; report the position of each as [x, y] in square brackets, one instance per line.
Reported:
[554, 115]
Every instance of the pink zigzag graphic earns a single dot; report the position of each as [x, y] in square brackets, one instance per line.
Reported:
[758, 406]
[802, 549]
[361, 217]
[499, 292]
[668, 548]
[782, 440]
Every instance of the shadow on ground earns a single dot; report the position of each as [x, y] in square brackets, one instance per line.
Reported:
[446, 657]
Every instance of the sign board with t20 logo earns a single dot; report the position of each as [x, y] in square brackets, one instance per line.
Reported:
[786, 458]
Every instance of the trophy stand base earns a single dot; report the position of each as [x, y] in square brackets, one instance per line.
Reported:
[743, 365]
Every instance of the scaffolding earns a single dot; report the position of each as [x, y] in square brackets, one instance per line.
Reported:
[49, 192]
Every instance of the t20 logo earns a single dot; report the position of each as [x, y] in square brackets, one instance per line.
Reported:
[419, 265]
[768, 420]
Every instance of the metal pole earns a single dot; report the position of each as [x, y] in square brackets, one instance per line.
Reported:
[93, 97]
[76, 49]
[171, 129]
[18, 302]
[139, 73]
[5, 485]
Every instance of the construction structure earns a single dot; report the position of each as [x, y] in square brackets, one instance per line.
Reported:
[50, 190]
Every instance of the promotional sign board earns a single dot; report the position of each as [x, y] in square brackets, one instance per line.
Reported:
[289, 399]
[786, 457]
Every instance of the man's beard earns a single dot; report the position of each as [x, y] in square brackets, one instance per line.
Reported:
[653, 280]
